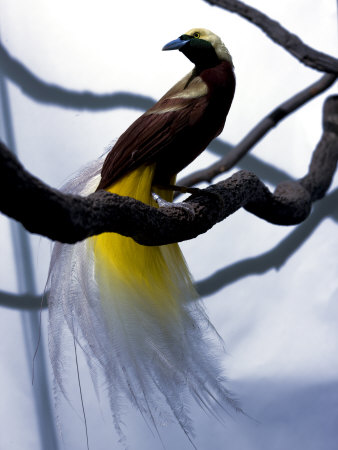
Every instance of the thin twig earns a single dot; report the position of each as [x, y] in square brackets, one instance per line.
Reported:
[260, 130]
[290, 42]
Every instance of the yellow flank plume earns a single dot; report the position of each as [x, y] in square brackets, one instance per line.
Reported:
[153, 277]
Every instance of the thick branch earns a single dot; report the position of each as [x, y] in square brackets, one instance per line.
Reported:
[69, 219]
[259, 131]
[274, 258]
[290, 42]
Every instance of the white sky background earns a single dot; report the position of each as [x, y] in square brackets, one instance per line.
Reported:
[280, 329]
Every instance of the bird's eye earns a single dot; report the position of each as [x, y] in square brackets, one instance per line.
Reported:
[197, 35]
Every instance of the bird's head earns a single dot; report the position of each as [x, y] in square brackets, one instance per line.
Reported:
[202, 47]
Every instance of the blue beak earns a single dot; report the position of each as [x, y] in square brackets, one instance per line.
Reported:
[176, 44]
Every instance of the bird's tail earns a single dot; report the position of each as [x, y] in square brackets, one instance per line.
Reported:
[136, 315]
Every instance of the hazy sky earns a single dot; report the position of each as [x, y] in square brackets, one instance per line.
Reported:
[271, 292]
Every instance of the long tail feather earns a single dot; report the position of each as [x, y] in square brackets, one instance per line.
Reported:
[138, 318]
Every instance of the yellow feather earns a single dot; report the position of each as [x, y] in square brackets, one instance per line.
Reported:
[151, 274]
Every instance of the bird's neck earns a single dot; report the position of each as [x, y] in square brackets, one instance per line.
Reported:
[220, 80]
[207, 62]
[203, 57]
[198, 70]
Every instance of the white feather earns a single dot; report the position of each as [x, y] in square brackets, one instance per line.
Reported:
[158, 365]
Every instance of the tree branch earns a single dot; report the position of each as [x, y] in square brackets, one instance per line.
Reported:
[272, 259]
[260, 130]
[69, 218]
[290, 42]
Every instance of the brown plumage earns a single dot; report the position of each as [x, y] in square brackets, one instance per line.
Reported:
[180, 125]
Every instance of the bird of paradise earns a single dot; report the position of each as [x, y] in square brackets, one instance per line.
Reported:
[133, 309]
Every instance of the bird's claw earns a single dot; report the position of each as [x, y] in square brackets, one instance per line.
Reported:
[163, 204]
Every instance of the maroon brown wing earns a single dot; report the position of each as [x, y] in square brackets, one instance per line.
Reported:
[150, 135]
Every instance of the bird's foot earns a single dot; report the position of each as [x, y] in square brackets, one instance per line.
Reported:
[184, 189]
[164, 204]
[181, 189]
